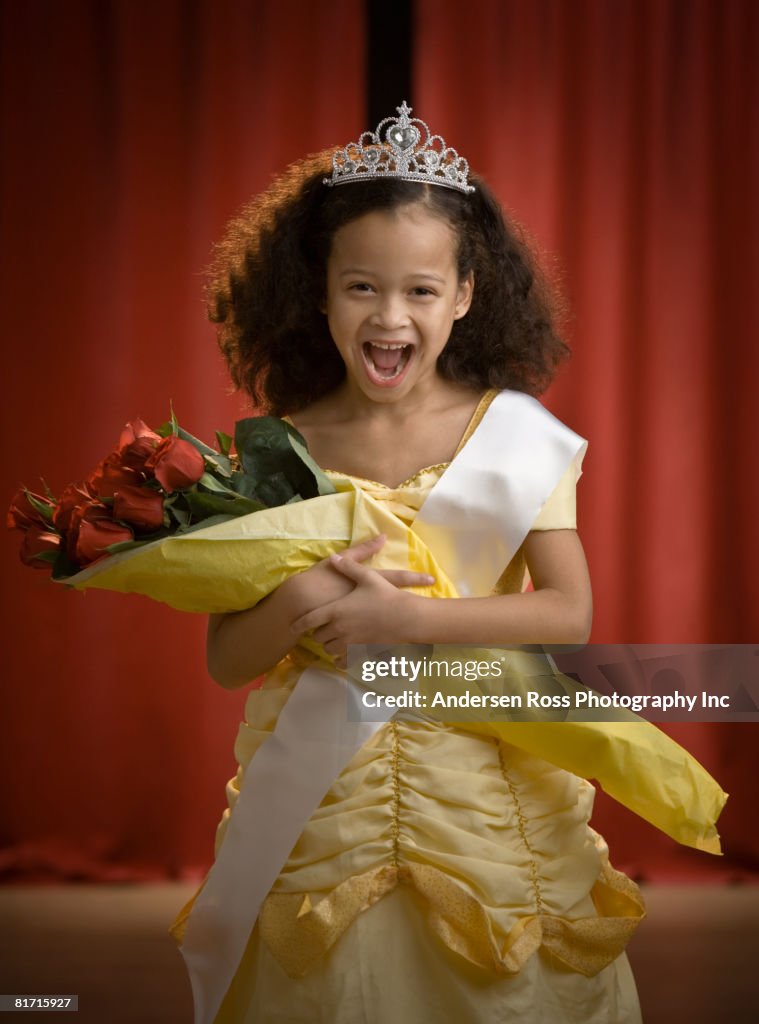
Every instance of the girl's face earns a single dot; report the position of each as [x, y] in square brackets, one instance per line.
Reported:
[393, 293]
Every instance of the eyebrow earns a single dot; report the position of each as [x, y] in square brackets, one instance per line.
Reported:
[424, 275]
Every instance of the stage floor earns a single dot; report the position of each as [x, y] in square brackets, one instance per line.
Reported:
[694, 958]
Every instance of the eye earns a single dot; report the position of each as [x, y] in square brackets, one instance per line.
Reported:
[422, 291]
[359, 286]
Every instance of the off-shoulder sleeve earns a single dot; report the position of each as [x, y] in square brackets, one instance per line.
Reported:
[560, 511]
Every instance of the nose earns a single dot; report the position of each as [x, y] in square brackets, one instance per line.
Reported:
[390, 312]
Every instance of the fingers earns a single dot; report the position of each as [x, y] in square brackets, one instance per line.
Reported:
[349, 568]
[323, 633]
[311, 620]
[335, 647]
[365, 549]
[398, 577]
[406, 578]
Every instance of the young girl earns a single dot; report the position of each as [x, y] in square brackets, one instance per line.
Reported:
[381, 302]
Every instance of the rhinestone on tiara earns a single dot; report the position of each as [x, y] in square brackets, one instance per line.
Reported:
[401, 147]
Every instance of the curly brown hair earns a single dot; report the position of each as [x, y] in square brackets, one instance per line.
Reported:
[268, 285]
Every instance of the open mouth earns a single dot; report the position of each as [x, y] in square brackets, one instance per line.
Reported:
[386, 362]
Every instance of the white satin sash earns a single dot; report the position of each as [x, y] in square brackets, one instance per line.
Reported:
[483, 506]
[313, 740]
[473, 521]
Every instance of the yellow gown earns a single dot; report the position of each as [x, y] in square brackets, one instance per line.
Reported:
[446, 876]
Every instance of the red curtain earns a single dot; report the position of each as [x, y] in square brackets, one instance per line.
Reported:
[620, 132]
[624, 135]
[132, 131]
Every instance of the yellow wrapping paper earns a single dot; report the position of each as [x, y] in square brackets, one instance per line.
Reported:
[233, 565]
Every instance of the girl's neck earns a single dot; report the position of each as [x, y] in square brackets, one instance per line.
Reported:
[348, 403]
[387, 442]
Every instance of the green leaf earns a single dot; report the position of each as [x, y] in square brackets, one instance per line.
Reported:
[265, 449]
[224, 442]
[275, 490]
[48, 492]
[204, 449]
[39, 506]
[179, 515]
[220, 463]
[244, 484]
[204, 505]
[47, 556]
[128, 545]
[212, 484]
[171, 426]
[261, 443]
[210, 521]
[323, 483]
[63, 566]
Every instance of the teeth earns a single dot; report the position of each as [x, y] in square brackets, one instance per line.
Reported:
[385, 373]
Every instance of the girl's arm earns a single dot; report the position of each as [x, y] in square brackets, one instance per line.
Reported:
[243, 645]
[558, 611]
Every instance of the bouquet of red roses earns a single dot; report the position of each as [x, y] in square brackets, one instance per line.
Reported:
[164, 482]
[205, 529]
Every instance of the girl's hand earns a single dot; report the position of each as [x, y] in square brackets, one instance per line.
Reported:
[373, 610]
[323, 583]
[242, 645]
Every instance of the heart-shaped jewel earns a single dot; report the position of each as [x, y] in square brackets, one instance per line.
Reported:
[403, 138]
[431, 158]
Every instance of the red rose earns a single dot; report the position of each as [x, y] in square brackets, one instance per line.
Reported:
[86, 510]
[138, 506]
[137, 443]
[72, 496]
[135, 454]
[93, 535]
[38, 541]
[126, 463]
[110, 474]
[22, 514]
[177, 464]
[136, 429]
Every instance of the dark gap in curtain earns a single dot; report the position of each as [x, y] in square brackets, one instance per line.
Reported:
[108, 122]
[190, 70]
[389, 46]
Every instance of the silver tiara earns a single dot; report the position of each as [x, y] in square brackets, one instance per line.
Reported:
[401, 147]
